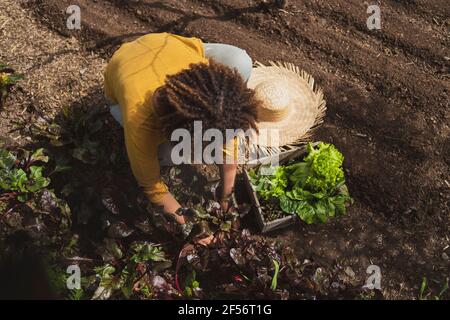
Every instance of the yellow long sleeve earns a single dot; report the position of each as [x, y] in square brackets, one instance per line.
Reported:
[134, 73]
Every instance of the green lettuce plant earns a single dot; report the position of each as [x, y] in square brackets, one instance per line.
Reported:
[314, 188]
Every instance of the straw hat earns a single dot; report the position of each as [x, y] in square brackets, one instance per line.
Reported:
[291, 104]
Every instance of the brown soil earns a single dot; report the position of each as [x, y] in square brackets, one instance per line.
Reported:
[387, 96]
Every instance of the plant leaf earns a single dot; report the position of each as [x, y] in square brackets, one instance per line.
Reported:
[274, 283]
[7, 160]
[39, 155]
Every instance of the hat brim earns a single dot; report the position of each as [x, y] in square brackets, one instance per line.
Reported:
[306, 105]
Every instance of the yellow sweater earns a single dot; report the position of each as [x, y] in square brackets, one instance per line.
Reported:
[134, 73]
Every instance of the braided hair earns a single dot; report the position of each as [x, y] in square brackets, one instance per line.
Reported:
[212, 93]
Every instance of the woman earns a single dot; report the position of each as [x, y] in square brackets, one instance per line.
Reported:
[162, 82]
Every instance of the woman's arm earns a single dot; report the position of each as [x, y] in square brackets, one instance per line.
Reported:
[228, 177]
[142, 148]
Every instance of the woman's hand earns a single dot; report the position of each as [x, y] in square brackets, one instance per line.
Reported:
[185, 218]
[170, 206]
[206, 241]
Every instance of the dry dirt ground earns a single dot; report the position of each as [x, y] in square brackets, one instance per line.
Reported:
[387, 96]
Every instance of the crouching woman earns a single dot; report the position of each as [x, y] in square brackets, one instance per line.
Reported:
[163, 82]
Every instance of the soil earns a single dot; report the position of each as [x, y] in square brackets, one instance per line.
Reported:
[387, 97]
[271, 210]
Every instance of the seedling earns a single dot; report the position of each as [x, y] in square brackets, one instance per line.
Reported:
[76, 129]
[8, 78]
[429, 296]
[19, 177]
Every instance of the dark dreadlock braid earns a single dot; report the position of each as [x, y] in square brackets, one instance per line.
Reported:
[214, 94]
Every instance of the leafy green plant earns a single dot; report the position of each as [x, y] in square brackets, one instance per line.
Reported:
[8, 78]
[20, 177]
[274, 283]
[429, 295]
[24, 193]
[142, 259]
[108, 282]
[144, 252]
[192, 286]
[314, 188]
[76, 294]
[76, 129]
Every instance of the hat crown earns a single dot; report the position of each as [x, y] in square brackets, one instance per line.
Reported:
[275, 97]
